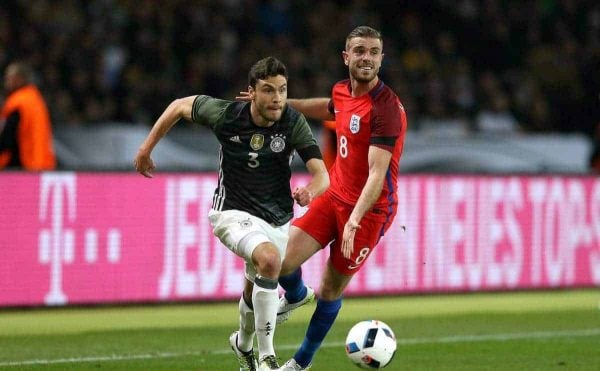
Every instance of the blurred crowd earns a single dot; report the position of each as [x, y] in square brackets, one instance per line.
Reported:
[459, 66]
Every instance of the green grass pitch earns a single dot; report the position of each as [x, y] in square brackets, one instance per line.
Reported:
[540, 330]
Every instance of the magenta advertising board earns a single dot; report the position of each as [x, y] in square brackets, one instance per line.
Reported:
[77, 238]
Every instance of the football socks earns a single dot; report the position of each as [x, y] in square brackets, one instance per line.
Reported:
[294, 287]
[245, 338]
[265, 299]
[320, 323]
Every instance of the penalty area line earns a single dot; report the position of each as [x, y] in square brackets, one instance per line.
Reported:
[403, 341]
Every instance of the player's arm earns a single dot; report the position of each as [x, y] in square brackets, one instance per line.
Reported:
[317, 185]
[178, 109]
[315, 108]
[379, 161]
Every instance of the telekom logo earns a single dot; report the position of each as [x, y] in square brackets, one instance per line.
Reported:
[58, 204]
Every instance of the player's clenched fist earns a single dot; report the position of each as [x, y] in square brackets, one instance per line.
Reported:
[302, 196]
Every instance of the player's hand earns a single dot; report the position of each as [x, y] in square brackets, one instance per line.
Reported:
[144, 164]
[302, 196]
[244, 96]
[348, 238]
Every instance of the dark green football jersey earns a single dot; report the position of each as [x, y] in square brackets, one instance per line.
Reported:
[254, 169]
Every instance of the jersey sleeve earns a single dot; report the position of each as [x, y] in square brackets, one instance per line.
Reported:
[388, 121]
[330, 107]
[207, 111]
[304, 141]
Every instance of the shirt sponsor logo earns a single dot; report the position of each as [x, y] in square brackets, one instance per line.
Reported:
[257, 141]
[354, 124]
[277, 142]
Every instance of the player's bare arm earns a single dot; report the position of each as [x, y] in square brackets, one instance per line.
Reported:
[317, 185]
[178, 109]
[315, 108]
[379, 160]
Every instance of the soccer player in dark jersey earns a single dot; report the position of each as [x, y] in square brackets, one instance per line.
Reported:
[253, 203]
[360, 205]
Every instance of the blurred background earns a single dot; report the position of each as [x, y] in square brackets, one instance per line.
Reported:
[489, 86]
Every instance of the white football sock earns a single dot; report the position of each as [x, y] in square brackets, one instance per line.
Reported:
[265, 300]
[245, 339]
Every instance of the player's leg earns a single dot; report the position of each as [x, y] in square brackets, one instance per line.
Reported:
[301, 246]
[250, 238]
[242, 341]
[337, 276]
[329, 304]
[265, 299]
[309, 233]
[245, 339]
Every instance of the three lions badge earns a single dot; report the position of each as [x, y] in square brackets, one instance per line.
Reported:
[354, 124]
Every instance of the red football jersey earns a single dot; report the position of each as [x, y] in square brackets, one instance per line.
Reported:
[373, 119]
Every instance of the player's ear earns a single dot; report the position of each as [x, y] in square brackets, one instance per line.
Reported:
[251, 92]
[345, 57]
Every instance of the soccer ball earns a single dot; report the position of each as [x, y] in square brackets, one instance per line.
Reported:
[371, 344]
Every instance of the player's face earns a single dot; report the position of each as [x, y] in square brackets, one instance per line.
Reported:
[268, 99]
[363, 57]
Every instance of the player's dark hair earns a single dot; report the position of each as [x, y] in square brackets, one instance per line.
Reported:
[265, 68]
[364, 31]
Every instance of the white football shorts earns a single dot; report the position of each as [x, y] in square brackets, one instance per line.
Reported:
[241, 232]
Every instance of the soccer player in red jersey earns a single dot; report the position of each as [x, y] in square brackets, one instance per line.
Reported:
[360, 204]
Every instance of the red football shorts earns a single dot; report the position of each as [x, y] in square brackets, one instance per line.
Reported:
[324, 221]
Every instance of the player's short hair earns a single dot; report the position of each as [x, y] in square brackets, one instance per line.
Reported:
[265, 68]
[363, 31]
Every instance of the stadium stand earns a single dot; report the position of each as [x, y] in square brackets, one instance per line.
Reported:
[466, 69]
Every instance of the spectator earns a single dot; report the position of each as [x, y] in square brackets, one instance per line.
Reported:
[438, 122]
[25, 129]
[130, 57]
[496, 117]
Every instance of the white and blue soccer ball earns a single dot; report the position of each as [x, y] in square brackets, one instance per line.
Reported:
[371, 344]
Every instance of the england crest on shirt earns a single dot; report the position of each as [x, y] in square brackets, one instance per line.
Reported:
[354, 124]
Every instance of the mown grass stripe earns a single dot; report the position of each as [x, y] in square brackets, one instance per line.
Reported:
[405, 341]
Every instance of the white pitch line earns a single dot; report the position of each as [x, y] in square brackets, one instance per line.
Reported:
[406, 341]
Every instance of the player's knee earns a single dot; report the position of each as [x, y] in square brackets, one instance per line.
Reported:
[267, 260]
[330, 293]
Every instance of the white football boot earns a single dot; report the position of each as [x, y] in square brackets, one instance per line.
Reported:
[268, 363]
[285, 308]
[247, 360]
[292, 365]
